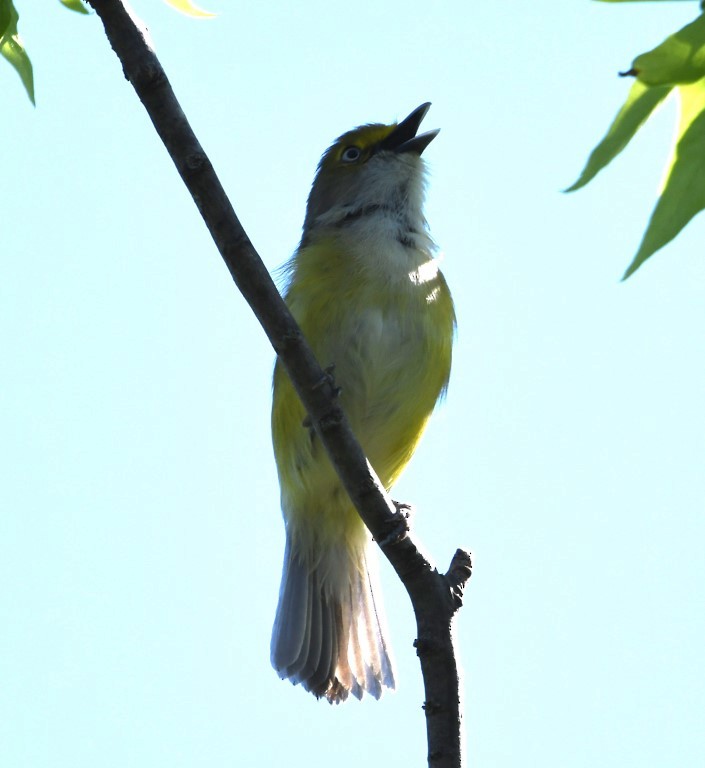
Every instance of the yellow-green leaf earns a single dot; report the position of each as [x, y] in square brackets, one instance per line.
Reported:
[11, 47]
[683, 194]
[75, 5]
[190, 9]
[640, 103]
[679, 60]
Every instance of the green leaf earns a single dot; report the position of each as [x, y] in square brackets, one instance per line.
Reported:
[5, 16]
[683, 194]
[75, 5]
[679, 60]
[677, 64]
[11, 46]
[640, 103]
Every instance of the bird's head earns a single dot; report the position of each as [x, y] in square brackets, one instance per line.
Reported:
[372, 168]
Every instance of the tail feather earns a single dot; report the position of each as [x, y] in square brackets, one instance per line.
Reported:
[297, 597]
[302, 648]
[315, 678]
[328, 632]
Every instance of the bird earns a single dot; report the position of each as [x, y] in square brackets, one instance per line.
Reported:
[365, 287]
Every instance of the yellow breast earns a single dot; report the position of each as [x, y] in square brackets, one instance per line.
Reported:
[380, 311]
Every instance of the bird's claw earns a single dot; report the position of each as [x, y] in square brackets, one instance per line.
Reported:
[398, 525]
[327, 378]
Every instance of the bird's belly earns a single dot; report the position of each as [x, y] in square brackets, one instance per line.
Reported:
[389, 369]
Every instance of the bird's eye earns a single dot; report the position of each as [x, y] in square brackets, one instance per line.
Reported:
[351, 154]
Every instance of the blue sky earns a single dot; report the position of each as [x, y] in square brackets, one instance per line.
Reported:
[140, 533]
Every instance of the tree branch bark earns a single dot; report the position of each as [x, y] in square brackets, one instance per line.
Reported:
[435, 597]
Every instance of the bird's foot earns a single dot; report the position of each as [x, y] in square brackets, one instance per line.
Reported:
[398, 526]
[327, 378]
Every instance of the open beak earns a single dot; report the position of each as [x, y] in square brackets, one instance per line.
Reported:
[404, 139]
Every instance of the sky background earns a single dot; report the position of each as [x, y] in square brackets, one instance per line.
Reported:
[140, 532]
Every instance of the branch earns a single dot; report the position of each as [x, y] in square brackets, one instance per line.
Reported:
[435, 597]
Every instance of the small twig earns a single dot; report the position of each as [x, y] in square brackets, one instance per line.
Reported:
[459, 571]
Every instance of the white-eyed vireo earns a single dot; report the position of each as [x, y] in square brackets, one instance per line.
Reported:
[367, 292]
